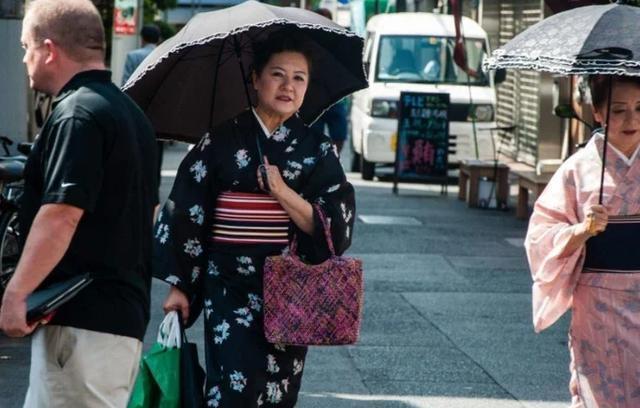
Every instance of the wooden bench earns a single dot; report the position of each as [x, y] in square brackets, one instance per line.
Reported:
[529, 181]
[472, 170]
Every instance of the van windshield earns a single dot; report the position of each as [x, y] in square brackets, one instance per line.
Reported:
[425, 59]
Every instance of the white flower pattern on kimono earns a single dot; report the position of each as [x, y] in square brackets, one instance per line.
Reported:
[280, 347]
[208, 308]
[255, 302]
[309, 161]
[172, 279]
[204, 142]
[197, 214]
[293, 170]
[346, 214]
[280, 134]
[272, 365]
[297, 366]
[285, 384]
[333, 188]
[245, 318]
[162, 233]
[222, 332]
[291, 148]
[213, 397]
[195, 273]
[193, 248]
[260, 402]
[238, 381]
[242, 158]
[245, 266]
[199, 171]
[274, 394]
[212, 269]
[325, 147]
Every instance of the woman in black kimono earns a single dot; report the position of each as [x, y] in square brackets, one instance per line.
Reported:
[223, 218]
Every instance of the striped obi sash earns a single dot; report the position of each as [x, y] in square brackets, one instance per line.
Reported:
[615, 250]
[246, 218]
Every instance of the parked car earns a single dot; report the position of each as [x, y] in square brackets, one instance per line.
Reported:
[414, 52]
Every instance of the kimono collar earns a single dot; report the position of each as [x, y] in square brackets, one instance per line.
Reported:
[262, 125]
[627, 160]
[280, 133]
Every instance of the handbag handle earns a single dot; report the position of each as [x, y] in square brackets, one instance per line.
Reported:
[169, 331]
[183, 331]
[293, 247]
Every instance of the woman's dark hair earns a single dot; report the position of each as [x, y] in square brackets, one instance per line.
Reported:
[288, 39]
[599, 86]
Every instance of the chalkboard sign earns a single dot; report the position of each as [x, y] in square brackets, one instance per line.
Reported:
[423, 137]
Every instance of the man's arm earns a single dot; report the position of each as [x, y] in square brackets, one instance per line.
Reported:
[129, 67]
[47, 242]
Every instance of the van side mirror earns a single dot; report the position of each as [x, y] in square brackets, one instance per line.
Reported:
[500, 76]
[566, 111]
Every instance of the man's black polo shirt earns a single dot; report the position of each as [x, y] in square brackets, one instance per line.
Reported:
[97, 152]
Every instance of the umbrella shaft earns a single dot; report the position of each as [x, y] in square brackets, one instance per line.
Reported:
[606, 140]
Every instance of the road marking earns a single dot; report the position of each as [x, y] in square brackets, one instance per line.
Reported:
[389, 220]
[516, 242]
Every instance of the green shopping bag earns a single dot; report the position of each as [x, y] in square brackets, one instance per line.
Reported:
[158, 381]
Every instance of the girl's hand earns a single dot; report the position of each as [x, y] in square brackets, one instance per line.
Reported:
[275, 183]
[177, 300]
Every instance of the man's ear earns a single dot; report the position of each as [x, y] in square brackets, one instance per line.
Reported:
[53, 51]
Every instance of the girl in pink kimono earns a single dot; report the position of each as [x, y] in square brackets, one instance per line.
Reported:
[586, 256]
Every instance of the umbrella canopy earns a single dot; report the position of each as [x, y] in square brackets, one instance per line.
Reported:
[584, 40]
[199, 77]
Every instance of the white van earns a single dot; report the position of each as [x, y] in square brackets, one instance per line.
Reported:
[414, 52]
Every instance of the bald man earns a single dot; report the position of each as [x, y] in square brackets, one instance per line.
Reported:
[90, 189]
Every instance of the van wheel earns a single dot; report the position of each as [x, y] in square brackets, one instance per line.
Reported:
[355, 162]
[367, 168]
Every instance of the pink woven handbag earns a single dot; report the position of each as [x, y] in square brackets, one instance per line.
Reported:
[312, 304]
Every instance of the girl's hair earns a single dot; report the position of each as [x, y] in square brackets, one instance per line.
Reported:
[288, 39]
[599, 86]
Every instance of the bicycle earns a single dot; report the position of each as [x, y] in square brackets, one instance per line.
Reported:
[11, 187]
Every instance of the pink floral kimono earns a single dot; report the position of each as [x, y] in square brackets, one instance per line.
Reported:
[604, 339]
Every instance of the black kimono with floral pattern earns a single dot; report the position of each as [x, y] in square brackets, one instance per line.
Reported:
[225, 280]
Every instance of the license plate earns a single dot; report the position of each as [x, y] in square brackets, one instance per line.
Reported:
[394, 141]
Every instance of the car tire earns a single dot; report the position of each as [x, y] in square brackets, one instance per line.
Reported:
[355, 162]
[367, 168]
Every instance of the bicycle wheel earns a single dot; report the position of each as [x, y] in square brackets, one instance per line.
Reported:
[9, 247]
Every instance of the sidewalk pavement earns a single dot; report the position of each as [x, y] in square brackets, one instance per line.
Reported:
[447, 320]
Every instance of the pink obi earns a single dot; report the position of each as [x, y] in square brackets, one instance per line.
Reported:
[246, 218]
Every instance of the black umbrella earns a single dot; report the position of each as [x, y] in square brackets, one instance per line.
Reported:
[199, 77]
[585, 40]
